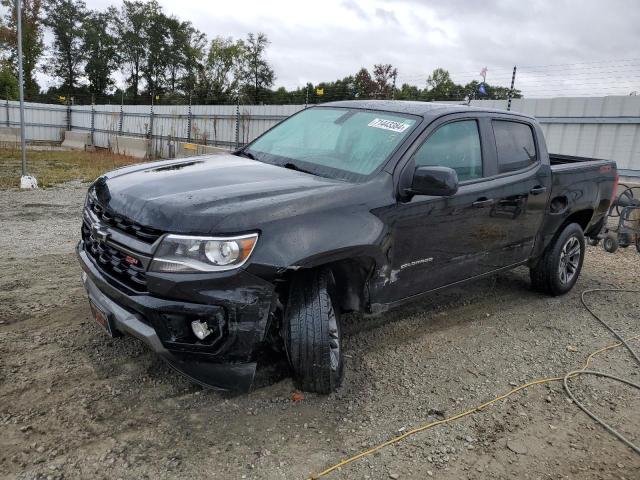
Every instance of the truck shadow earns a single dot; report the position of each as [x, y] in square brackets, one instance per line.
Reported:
[130, 357]
[509, 285]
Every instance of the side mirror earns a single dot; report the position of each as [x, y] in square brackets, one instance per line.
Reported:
[434, 181]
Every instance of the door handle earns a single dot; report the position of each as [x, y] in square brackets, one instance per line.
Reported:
[483, 202]
[537, 190]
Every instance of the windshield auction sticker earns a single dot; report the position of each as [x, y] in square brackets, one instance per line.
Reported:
[388, 125]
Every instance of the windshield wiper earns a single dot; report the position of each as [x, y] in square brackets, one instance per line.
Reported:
[247, 154]
[293, 166]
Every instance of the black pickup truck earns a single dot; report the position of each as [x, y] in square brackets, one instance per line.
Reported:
[355, 206]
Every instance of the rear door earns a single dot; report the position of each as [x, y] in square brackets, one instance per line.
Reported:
[522, 184]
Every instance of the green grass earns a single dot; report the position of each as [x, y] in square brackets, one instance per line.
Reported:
[51, 167]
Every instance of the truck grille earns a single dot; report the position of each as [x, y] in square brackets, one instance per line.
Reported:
[114, 262]
[145, 234]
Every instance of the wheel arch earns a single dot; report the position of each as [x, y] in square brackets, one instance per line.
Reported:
[350, 276]
[581, 217]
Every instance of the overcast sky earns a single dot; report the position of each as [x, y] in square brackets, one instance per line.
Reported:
[324, 40]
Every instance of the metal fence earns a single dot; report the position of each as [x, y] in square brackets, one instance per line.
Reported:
[599, 127]
[218, 125]
[602, 127]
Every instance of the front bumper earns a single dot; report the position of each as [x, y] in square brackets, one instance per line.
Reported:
[229, 363]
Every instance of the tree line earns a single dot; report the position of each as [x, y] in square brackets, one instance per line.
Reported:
[163, 59]
[380, 83]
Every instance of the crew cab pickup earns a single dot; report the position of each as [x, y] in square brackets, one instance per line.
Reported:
[356, 206]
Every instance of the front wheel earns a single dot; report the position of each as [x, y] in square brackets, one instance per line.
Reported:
[559, 268]
[312, 332]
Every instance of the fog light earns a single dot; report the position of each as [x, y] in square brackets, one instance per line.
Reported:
[200, 329]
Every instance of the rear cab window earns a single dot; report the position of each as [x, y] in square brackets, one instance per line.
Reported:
[515, 145]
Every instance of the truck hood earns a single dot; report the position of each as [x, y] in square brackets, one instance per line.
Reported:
[218, 193]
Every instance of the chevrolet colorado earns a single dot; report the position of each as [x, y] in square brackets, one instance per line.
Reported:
[348, 206]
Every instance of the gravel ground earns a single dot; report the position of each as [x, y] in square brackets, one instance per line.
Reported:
[75, 404]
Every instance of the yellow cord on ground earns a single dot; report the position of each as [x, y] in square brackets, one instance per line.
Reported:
[461, 415]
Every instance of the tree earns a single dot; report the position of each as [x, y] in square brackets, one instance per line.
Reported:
[408, 92]
[384, 76]
[344, 89]
[472, 90]
[8, 83]
[156, 35]
[221, 74]
[365, 87]
[257, 74]
[65, 18]
[440, 86]
[101, 49]
[189, 51]
[32, 44]
[132, 26]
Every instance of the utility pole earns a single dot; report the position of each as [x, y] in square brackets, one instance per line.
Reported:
[237, 120]
[23, 141]
[93, 118]
[513, 81]
[121, 113]
[393, 87]
[6, 105]
[151, 144]
[306, 102]
[189, 120]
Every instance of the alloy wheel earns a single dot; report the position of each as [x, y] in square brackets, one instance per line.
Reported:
[569, 260]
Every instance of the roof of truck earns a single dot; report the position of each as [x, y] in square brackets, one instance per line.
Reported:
[424, 109]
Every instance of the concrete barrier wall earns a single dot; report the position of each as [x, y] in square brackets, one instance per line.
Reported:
[185, 149]
[76, 140]
[131, 146]
[9, 135]
[209, 150]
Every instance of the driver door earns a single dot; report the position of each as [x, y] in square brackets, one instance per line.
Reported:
[439, 241]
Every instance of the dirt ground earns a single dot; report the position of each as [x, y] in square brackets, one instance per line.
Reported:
[76, 404]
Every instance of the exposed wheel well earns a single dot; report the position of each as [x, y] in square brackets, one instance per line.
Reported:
[350, 276]
[582, 218]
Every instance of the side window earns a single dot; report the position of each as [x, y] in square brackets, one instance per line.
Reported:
[455, 145]
[515, 145]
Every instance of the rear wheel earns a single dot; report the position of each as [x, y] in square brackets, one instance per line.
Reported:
[559, 268]
[610, 243]
[312, 335]
[638, 243]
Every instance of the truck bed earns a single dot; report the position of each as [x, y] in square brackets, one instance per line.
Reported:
[569, 164]
[579, 184]
[558, 159]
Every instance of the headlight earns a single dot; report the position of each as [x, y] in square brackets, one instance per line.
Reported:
[181, 253]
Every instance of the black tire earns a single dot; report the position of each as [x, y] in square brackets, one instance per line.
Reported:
[312, 332]
[593, 241]
[638, 243]
[610, 243]
[547, 276]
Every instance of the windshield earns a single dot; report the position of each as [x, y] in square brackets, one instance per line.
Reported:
[333, 142]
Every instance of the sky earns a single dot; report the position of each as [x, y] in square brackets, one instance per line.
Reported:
[561, 47]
